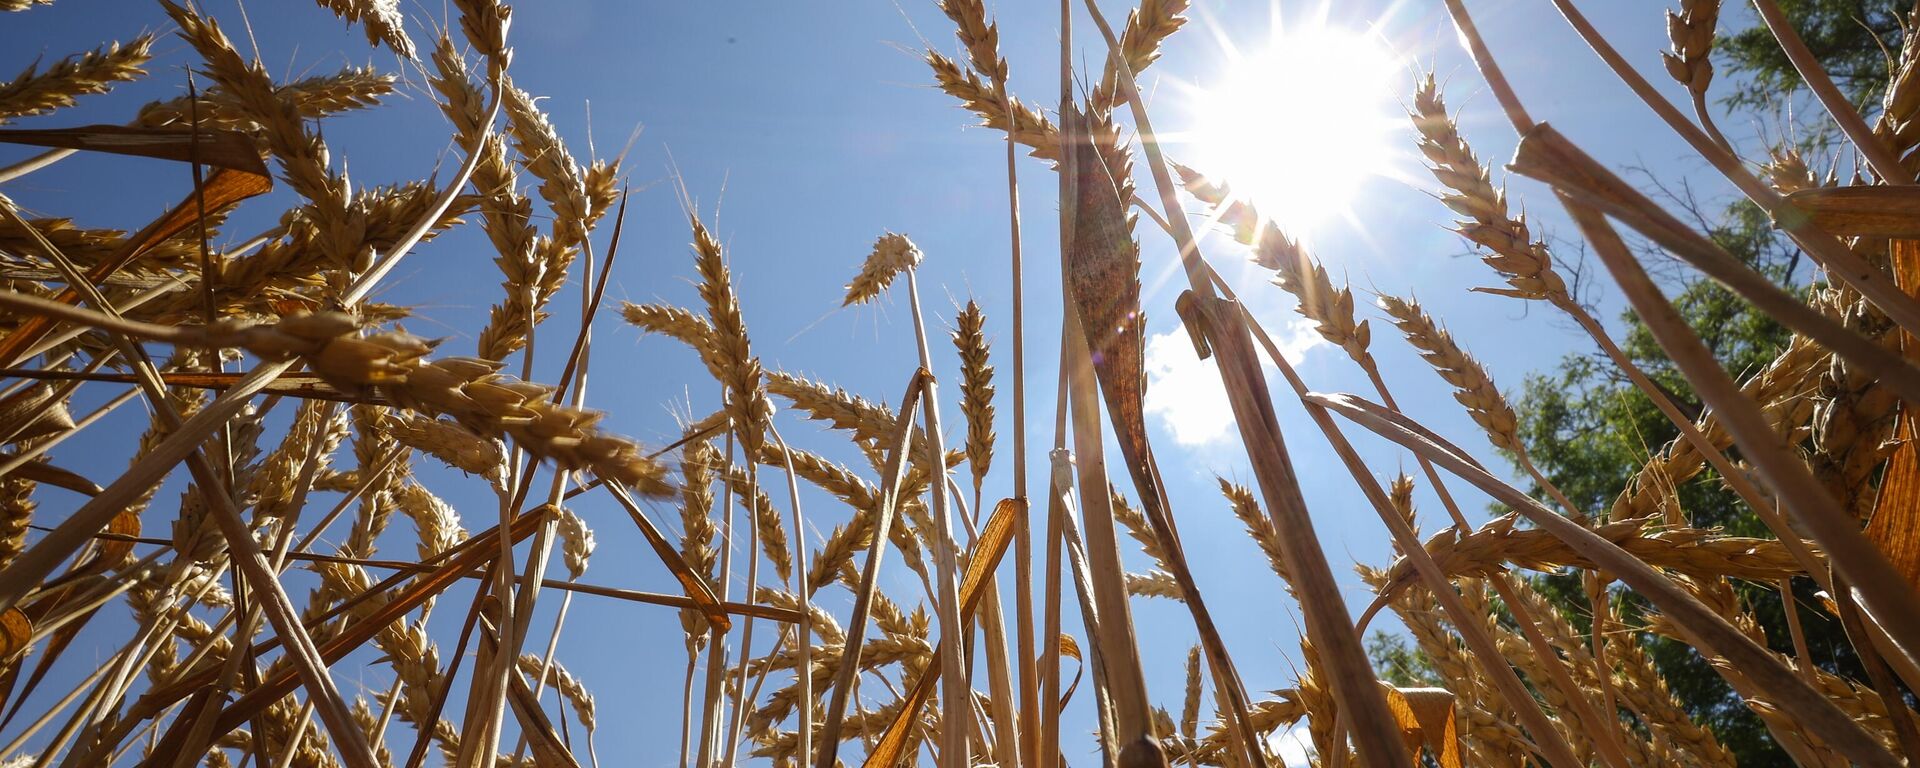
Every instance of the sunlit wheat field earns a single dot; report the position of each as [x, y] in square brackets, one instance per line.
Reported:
[959, 383]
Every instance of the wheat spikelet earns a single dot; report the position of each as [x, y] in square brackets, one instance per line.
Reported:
[1259, 526]
[302, 155]
[435, 523]
[1853, 418]
[370, 723]
[1154, 583]
[1691, 31]
[451, 443]
[484, 22]
[892, 254]
[33, 92]
[1400, 497]
[470, 390]
[1641, 685]
[976, 390]
[1581, 734]
[576, 542]
[1316, 700]
[1296, 271]
[698, 465]
[16, 512]
[979, 36]
[1788, 172]
[1527, 264]
[1028, 125]
[1896, 124]
[372, 445]
[1135, 522]
[1782, 388]
[380, 19]
[314, 97]
[570, 687]
[1473, 388]
[293, 268]
[316, 430]
[562, 182]
[1499, 545]
[824, 625]
[1147, 27]
[766, 519]
[1488, 724]
[746, 397]
[21, 5]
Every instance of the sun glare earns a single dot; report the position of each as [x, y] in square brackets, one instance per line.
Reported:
[1299, 127]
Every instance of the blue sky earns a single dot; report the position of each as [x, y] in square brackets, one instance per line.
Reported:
[802, 131]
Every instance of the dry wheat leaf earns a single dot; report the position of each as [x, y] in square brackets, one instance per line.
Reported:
[1427, 718]
[988, 549]
[15, 631]
[218, 149]
[1895, 526]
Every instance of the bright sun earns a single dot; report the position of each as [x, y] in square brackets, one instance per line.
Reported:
[1297, 128]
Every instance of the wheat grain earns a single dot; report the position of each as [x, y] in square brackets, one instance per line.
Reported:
[1691, 32]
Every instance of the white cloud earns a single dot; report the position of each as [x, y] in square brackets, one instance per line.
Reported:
[1294, 747]
[1184, 392]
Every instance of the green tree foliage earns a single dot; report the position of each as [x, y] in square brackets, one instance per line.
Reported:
[1399, 662]
[1589, 429]
[1855, 39]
